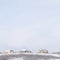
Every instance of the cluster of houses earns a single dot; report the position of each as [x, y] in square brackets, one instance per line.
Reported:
[27, 51]
[24, 51]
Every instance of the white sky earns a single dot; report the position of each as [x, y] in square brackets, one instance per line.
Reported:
[30, 24]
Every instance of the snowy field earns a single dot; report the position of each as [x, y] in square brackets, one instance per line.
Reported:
[37, 59]
[17, 59]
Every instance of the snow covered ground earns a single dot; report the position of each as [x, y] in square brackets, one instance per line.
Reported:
[17, 59]
[37, 59]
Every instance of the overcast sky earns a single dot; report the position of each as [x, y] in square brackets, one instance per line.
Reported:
[30, 24]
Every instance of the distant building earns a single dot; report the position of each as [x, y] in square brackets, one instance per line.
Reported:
[25, 51]
[56, 52]
[43, 51]
[9, 51]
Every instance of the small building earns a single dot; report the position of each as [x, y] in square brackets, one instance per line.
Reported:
[9, 51]
[25, 51]
[43, 51]
[56, 52]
